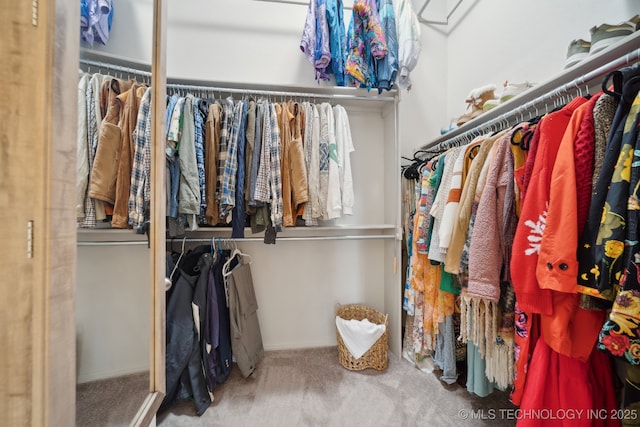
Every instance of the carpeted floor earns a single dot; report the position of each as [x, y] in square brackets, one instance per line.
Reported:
[310, 388]
[112, 402]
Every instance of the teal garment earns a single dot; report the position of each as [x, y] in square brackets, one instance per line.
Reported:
[434, 182]
[448, 282]
[477, 381]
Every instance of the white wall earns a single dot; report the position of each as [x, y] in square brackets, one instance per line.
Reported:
[496, 40]
[112, 311]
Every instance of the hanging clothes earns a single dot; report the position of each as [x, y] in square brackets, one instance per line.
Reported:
[366, 42]
[386, 69]
[409, 41]
[184, 366]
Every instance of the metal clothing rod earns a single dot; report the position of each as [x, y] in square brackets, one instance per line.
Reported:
[340, 93]
[276, 93]
[541, 96]
[120, 68]
[299, 3]
[247, 239]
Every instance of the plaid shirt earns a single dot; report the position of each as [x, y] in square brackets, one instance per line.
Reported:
[225, 131]
[262, 190]
[89, 220]
[275, 177]
[199, 143]
[141, 170]
[228, 196]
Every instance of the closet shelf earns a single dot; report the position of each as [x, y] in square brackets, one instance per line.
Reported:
[586, 75]
[114, 237]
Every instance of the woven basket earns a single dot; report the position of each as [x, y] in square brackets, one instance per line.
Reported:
[376, 356]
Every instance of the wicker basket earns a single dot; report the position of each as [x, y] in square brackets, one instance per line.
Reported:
[376, 356]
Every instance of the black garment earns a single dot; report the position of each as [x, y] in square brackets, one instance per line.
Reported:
[587, 256]
[224, 361]
[202, 302]
[184, 369]
[211, 340]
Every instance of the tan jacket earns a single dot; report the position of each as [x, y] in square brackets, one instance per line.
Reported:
[131, 103]
[102, 183]
[300, 186]
[293, 170]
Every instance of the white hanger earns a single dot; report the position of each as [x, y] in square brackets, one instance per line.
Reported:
[175, 267]
[235, 253]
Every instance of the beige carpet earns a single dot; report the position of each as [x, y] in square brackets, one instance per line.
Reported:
[310, 388]
[112, 402]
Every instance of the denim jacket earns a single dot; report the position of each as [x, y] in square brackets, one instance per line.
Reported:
[387, 67]
[337, 40]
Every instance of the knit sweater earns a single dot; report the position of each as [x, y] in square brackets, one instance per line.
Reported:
[526, 245]
[463, 214]
[496, 208]
[583, 152]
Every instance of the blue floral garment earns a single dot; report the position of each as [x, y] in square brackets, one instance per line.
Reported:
[366, 42]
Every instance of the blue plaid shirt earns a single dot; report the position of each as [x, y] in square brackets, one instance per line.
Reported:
[228, 196]
[199, 143]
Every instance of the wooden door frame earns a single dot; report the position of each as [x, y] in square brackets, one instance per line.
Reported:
[157, 225]
[37, 220]
[39, 72]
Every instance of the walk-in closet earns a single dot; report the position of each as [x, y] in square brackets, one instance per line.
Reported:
[177, 172]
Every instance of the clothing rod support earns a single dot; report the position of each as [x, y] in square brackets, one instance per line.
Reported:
[427, 21]
[248, 239]
[553, 94]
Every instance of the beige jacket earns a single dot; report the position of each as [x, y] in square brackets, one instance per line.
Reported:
[131, 103]
[102, 184]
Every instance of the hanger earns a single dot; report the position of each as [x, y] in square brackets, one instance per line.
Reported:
[236, 252]
[175, 267]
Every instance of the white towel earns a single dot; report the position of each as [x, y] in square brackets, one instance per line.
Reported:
[358, 335]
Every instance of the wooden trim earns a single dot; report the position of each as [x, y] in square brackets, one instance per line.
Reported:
[37, 168]
[158, 197]
[148, 410]
[60, 216]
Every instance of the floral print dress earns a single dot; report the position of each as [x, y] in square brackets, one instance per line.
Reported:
[618, 241]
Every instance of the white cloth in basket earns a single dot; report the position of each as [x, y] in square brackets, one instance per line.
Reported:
[358, 335]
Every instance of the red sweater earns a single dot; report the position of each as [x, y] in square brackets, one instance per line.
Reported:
[526, 244]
